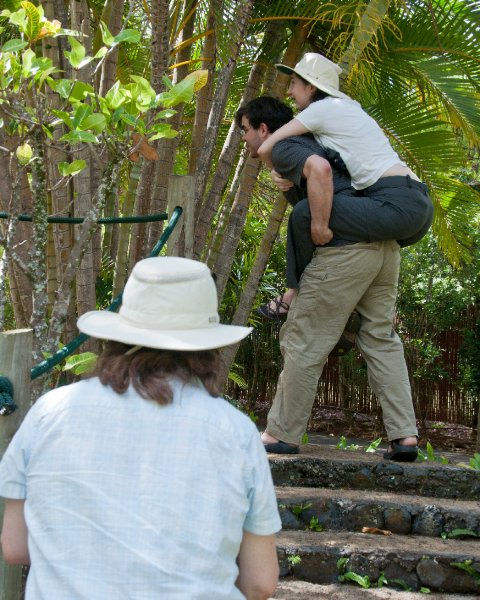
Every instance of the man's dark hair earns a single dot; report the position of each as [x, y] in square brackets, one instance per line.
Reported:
[265, 109]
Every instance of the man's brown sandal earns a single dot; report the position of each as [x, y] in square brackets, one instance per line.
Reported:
[279, 313]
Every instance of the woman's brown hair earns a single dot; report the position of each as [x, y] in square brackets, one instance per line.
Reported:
[148, 370]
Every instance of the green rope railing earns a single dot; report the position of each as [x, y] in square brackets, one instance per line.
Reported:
[57, 358]
[104, 220]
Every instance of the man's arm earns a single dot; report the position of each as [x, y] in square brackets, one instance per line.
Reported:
[318, 173]
[258, 566]
[14, 534]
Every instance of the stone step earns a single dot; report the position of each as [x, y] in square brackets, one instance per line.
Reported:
[405, 562]
[318, 466]
[292, 589]
[351, 510]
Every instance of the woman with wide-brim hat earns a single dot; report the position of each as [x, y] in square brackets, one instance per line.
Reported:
[140, 482]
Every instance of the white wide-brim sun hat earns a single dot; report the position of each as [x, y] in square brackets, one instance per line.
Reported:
[168, 303]
[319, 71]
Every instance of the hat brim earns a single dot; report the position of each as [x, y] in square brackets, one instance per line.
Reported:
[331, 91]
[108, 325]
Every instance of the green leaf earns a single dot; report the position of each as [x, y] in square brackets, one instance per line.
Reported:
[80, 363]
[77, 56]
[163, 130]
[27, 60]
[115, 96]
[129, 119]
[96, 122]
[128, 35]
[64, 117]
[466, 565]
[181, 92]
[80, 91]
[63, 87]
[77, 136]
[14, 45]
[142, 93]
[81, 113]
[400, 583]
[18, 18]
[474, 462]
[168, 113]
[65, 168]
[374, 445]
[362, 580]
[430, 452]
[47, 131]
[33, 20]
[107, 37]
[237, 379]
[46, 74]
[461, 533]
[382, 580]
[101, 52]
[342, 563]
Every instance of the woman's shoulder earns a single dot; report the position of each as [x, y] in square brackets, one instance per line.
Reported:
[210, 409]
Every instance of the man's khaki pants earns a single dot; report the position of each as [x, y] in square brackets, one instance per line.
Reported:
[337, 280]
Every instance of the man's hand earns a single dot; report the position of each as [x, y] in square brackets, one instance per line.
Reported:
[321, 235]
[282, 184]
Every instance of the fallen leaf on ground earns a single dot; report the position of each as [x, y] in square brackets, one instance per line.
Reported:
[376, 531]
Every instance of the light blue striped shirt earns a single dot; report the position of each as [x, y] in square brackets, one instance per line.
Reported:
[126, 499]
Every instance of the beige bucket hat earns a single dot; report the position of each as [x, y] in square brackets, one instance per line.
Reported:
[168, 303]
[319, 71]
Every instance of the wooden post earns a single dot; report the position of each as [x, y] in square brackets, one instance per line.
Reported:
[15, 363]
[181, 192]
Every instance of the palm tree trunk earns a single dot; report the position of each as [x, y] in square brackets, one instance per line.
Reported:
[251, 286]
[122, 262]
[364, 32]
[245, 304]
[160, 57]
[16, 202]
[59, 198]
[208, 209]
[204, 97]
[167, 148]
[85, 277]
[225, 76]
[112, 16]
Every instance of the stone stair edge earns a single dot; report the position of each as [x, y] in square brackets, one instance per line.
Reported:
[291, 589]
[351, 510]
[311, 539]
[293, 493]
[344, 457]
[439, 565]
[373, 474]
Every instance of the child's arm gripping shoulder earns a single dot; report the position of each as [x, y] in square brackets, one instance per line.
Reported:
[293, 127]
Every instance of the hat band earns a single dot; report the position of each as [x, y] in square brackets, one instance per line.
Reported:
[325, 81]
[177, 321]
